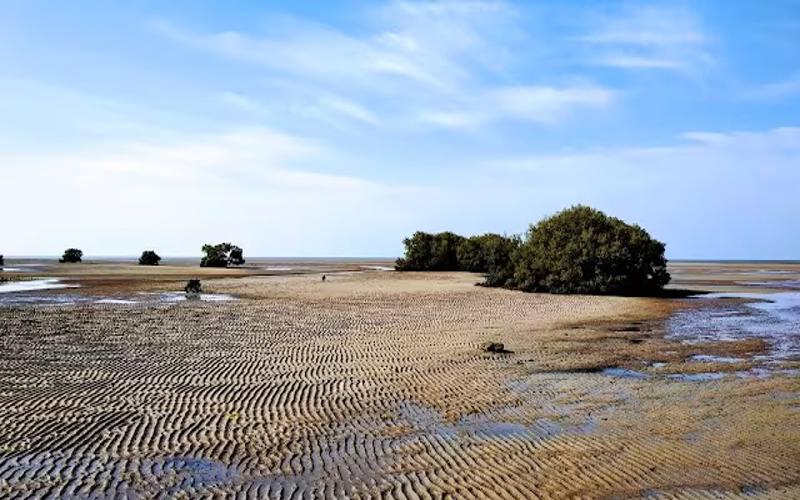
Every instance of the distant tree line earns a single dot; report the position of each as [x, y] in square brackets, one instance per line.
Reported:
[578, 250]
[220, 255]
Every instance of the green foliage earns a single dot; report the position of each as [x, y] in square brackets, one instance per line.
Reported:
[431, 252]
[488, 253]
[578, 250]
[499, 253]
[2, 261]
[222, 255]
[471, 256]
[236, 257]
[582, 250]
[71, 255]
[149, 258]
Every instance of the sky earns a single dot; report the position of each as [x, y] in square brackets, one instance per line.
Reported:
[338, 128]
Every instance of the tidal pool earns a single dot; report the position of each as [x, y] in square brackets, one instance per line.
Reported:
[33, 285]
[774, 318]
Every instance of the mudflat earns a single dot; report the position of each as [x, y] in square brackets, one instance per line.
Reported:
[376, 384]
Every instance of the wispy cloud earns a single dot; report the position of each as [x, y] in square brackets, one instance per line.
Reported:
[710, 195]
[649, 38]
[447, 64]
[536, 104]
[255, 186]
[789, 87]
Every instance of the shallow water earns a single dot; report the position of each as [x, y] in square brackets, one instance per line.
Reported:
[181, 297]
[775, 318]
[709, 358]
[697, 377]
[33, 285]
[30, 296]
[429, 420]
[624, 373]
[788, 284]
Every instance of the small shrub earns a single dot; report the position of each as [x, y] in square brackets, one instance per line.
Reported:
[193, 287]
[582, 250]
[222, 255]
[71, 256]
[149, 258]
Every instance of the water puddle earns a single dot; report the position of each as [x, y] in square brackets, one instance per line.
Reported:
[708, 358]
[19, 268]
[25, 296]
[202, 471]
[115, 301]
[428, 420]
[181, 297]
[788, 284]
[774, 318]
[696, 377]
[624, 373]
[377, 268]
[278, 268]
[33, 285]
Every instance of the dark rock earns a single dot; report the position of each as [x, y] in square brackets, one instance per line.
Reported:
[496, 347]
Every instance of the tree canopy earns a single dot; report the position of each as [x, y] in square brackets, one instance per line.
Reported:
[2, 261]
[71, 256]
[149, 258]
[222, 255]
[578, 250]
[582, 250]
[431, 252]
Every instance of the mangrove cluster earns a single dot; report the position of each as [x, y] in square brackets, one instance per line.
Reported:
[578, 250]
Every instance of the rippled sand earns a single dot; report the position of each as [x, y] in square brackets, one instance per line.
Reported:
[375, 384]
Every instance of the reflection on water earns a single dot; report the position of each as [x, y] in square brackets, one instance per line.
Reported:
[30, 296]
[32, 285]
[775, 318]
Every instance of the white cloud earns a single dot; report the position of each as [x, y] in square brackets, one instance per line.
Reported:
[254, 186]
[541, 105]
[790, 87]
[650, 37]
[448, 64]
[716, 195]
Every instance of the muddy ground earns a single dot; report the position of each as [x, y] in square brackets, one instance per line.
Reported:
[375, 384]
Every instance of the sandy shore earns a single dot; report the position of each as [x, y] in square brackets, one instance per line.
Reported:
[375, 384]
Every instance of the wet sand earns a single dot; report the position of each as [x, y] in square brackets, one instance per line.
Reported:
[375, 384]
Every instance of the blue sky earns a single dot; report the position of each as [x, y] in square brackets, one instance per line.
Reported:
[338, 128]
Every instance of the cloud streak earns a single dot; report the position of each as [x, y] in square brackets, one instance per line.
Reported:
[649, 38]
[445, 64]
